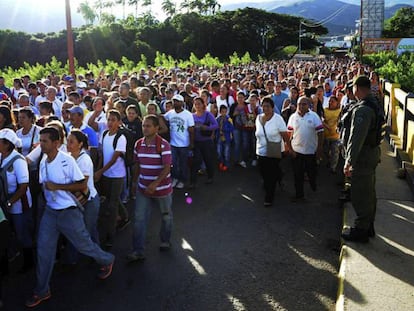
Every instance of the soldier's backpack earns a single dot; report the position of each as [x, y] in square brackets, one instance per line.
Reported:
[380, 126]
[381, 122]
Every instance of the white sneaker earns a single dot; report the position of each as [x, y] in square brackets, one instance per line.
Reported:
[243, 164]
[174, 182]
[254, 163]
[180, 185]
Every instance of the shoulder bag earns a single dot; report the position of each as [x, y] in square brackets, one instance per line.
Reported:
[273, 149]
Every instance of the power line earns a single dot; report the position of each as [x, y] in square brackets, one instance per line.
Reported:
[326, 19]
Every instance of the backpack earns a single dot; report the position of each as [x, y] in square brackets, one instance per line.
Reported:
[4, 186]
[128, 157]
[380, 123]
[158, 144]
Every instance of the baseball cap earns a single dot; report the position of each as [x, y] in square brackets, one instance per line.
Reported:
[39, 82]
[11, 136]
[92, 92]
[178, 97]
[76, 109]
[81, 85]
[3, 96]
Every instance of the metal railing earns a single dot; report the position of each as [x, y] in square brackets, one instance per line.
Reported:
[399, 109]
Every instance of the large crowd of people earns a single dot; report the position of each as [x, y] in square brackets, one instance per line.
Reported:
[75, 149]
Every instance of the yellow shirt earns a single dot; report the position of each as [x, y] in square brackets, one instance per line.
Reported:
[331, 123]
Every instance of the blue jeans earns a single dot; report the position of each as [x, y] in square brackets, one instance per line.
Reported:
[223, 152]
[142, 214]
[180, 163]
[23, 227]
[242, 143]
[90, 216]
[70, 223]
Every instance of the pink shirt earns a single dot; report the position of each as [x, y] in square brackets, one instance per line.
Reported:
[151, 160]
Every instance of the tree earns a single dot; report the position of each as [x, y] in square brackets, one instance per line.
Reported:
[135, 4]
[212, 6]
[401, 25]
[107, 18]
[87, 12]
[169, 8]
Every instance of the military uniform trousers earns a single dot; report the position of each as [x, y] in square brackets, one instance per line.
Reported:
[363, 194]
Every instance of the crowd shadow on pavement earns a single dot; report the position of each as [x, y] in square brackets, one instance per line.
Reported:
[229, 253]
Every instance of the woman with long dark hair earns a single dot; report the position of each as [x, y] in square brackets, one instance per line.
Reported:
[77, 145]
[6, 118]
[204, 150]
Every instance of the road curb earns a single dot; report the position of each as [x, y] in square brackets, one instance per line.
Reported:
[340, 298]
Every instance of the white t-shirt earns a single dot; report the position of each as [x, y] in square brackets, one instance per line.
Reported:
[34, 155]
[39, 99]
[62, 170]
[273, 128]
[86, 166]
[226, 102]
[16, 175]
[305, 129]
[325, 103]
[179, 124]
[117, 170]
[27, 138]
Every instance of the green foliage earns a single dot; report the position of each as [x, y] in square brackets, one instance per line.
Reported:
[234, 59]
[396, 68]
[246, 59]
[401, 25]
[249, 30]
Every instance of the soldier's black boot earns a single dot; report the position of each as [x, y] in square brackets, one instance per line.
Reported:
[356, 235]
[371, 230]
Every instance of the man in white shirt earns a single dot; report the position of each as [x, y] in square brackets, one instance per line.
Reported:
[181, 124]
[57, 104]
[113, 173]
[61, 176]
[305, 145]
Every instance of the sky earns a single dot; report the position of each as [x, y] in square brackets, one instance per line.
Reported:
[33, 16]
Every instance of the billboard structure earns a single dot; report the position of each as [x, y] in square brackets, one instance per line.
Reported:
[372, 18]
[398, 45]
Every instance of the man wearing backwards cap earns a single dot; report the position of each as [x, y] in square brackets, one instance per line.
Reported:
[362, 158]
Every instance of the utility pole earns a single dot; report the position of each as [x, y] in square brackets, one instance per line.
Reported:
[69, 35]
[300, 36]
[361, 52]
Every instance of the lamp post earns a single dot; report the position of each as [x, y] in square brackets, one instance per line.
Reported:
[69, 35]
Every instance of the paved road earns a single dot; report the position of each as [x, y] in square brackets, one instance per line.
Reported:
[229, 253]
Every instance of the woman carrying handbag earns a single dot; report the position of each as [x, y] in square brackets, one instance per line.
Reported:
[270, 132]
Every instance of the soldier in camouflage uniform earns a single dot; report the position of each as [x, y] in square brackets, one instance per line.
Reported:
[362, 158]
